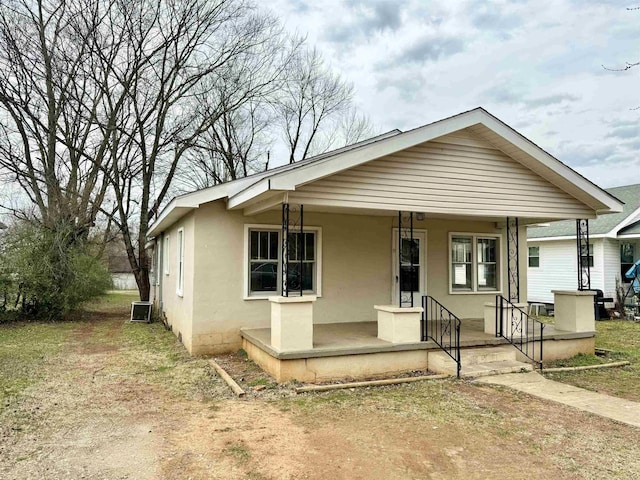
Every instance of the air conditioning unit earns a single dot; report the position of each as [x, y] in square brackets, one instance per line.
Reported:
[141, 312]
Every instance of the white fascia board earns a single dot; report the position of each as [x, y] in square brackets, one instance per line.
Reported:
[244, 197]
[172, 216]
[633, 217]
[153, 228]
[629, 235]
[569, 237]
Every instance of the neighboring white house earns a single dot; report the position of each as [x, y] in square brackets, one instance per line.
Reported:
[615, 246]
[322, 268]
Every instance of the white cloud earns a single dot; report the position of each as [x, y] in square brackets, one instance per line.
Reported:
[536, 64]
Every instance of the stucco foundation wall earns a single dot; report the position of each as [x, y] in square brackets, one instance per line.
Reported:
[322, 369]
[179, 309]
[562, 348]
[356, 271]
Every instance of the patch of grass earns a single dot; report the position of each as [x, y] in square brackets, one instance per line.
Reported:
[623, 339]
[582, 360]
[239, 452]
[545, 319]
[25, 349]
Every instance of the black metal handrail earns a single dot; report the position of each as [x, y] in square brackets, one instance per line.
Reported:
[443, 327]
[519, 329]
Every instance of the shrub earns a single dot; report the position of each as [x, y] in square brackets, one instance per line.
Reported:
[46, 273]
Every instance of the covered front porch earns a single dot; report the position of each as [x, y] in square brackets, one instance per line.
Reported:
[411, 245]
[354, 350]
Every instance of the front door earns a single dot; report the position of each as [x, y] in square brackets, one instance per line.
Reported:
[405, 278]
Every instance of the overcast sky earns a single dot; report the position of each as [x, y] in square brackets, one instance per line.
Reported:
[535, 64]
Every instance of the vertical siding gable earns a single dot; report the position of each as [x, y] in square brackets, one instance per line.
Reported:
[456, 173]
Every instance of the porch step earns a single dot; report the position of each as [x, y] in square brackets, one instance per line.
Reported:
[494, 368]
[479, 362]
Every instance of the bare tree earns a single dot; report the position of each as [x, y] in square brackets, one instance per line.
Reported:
[46, 145]
[102, 100]
[347, 128]
[176, 59]
[312, 95]
[236, 145]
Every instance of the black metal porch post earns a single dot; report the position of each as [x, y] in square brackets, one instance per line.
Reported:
[284, 255]
[301, 246]
[582, 243]
[406, 233]
[513, 259]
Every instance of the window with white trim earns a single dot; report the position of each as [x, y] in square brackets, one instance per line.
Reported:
[264, 248]
[180, 284]
[474, 263]
[534, 257]
[165, 255]
[627, 256]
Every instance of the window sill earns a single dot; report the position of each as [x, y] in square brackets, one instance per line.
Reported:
[275, 294]
[470, 292]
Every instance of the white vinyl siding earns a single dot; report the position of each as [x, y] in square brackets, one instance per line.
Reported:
[611, 265]
[457, 173]
[558, 269]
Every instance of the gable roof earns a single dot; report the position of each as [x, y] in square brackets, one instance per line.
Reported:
[605, 225]
[632, 229]
[282, 179]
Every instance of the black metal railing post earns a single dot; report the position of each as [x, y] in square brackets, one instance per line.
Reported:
[521, 329]
[443, 327]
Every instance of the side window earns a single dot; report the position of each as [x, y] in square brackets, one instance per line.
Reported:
[165, 255]
[180, 287]
[534, 257]
[264, 259]
[264, 253]
[627, 256]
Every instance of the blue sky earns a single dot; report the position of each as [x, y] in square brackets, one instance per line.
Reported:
[537, 65]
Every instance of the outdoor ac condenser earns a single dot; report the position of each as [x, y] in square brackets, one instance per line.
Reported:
[141, 312]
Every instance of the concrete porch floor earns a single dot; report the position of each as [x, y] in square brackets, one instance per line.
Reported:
[354, 338]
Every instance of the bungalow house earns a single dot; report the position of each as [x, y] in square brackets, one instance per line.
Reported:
[394, 254]
[614, 247]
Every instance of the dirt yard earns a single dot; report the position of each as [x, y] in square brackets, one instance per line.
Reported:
[99, 398]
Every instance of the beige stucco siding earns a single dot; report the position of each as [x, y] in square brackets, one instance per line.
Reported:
[356, 271]
[179, 309]
[456, 174]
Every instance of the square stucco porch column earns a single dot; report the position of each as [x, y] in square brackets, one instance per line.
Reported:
[399, 325]
[490, 319]
[292, 323]
[574, 310]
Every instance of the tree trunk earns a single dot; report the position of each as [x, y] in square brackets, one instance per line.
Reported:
[144, 286]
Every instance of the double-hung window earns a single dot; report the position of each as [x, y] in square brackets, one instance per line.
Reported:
[534, 257]
[165, 255]
[263, 261]
[627, 256]
[265, 248]
[474, 265]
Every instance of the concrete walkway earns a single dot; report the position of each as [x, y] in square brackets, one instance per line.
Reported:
[624, 411]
